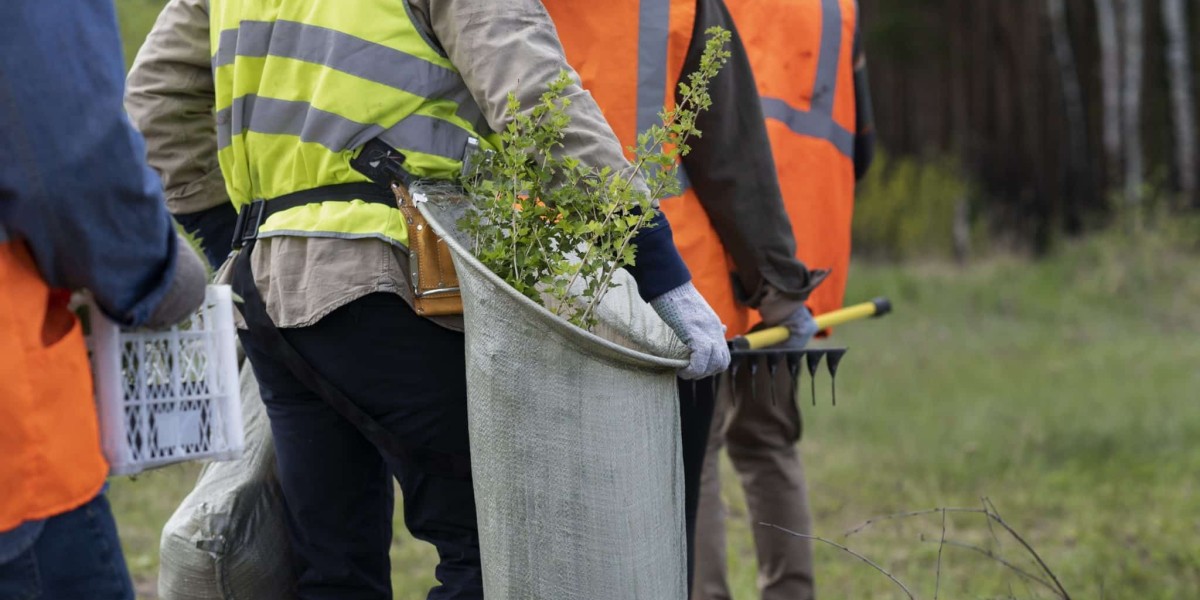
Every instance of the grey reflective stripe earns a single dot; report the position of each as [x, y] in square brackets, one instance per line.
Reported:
[418, 133]
[331, 234]
[3, 234]
[654, 35]
[654, 30]
[825, 87]
[347, 54]
[269, 115]
[811, 124]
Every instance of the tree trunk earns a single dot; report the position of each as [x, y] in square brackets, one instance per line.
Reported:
[1179, 76]
[1110, 81]
[1072, 90]
[1131, 104]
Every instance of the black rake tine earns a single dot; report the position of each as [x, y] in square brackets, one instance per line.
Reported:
[814, 361]
[754, 379]
[772, 368]
[831, 362]
[733, 371]
[793, 365]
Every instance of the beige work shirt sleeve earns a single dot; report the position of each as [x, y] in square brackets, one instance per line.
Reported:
[169, 96]
[502, 46]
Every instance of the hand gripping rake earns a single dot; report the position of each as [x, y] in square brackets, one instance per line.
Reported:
[754, 352]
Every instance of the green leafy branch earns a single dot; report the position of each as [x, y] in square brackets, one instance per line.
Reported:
[553, 227]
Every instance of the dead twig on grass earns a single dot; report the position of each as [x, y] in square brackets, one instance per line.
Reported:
[847, 551]
[1003, 561]
[993, 516]
[905, 515]
[937, 585]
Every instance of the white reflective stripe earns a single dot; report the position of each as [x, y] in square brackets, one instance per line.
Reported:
[810, 123]
[825, 86]
[417, 133]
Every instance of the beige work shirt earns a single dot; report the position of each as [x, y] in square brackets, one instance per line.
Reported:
[499, 46]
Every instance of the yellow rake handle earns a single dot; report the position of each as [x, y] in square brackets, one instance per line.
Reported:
[777, 335]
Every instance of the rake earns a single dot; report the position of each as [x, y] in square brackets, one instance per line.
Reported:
[755, 354]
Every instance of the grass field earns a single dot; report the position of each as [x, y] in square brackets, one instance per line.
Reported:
[1066, 391]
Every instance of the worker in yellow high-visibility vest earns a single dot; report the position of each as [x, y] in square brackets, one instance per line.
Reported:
[306, 97]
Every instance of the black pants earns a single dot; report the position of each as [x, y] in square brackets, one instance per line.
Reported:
[214, 227]
[696, 402]
[409, 375]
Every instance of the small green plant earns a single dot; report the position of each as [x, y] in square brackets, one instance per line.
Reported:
[552, 226]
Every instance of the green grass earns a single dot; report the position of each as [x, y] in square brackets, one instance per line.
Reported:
[1065, 390]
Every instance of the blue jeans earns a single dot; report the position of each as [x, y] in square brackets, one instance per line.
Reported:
[77, 555]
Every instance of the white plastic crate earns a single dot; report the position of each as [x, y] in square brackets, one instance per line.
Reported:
[168, 396]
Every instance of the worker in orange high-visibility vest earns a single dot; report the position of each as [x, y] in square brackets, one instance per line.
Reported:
[811, 77]
[78, 209]
[730, 224]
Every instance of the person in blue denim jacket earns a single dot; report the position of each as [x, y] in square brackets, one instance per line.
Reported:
[75, 190]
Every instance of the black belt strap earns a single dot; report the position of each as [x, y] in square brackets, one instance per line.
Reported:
[254, 311]
[251, 217]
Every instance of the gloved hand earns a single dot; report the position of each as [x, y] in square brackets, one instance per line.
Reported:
[186, 290]
[686, 312]
[801, 327]
[778, 311]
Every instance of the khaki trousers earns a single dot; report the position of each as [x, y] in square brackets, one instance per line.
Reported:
[760, 436]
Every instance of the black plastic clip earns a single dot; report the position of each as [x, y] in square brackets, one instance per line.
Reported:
[249, 219]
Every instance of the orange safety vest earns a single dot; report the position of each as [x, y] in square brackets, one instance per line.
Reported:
[50, 456]
[802, 53]
[630, 55]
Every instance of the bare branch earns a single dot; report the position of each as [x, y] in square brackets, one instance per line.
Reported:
[937, 585]
[992, 530]
[848, 551]
[993, 514]
[1000, 559]
[904, 515]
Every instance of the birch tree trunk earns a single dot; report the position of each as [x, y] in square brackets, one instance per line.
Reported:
[1179, 75]
[1072, 90]
[1131, 105]
[1110, 77]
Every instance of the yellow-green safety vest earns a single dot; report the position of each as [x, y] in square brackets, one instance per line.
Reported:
[301, 86]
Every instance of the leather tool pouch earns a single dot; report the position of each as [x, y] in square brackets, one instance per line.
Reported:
[434, 281]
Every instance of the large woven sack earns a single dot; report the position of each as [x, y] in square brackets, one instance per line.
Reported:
[575, 444]
[227, 540]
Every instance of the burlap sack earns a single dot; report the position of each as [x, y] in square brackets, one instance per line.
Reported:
[227, 540]
[574, 440]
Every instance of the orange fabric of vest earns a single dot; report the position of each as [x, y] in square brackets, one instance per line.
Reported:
[630, 55]
[802, 53]
[50, 456]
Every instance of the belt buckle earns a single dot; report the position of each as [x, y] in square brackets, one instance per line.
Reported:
[249, 219]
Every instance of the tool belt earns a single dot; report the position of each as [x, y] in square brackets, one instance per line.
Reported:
[434, 282]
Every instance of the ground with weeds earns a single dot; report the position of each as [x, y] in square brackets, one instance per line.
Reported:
[1064, 390]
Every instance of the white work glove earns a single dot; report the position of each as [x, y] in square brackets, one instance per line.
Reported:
[686, 312]
[186, 290]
